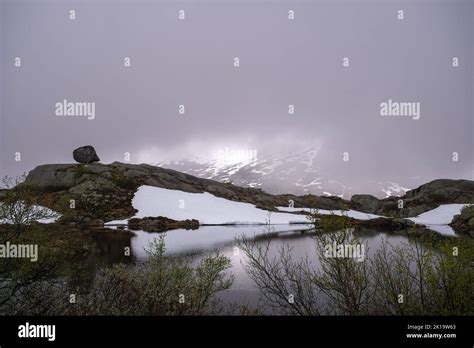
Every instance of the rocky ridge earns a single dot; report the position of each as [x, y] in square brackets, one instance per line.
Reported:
[105, 191]
[419, 200]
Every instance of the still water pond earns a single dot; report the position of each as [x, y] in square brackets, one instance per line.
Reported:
[196, 244]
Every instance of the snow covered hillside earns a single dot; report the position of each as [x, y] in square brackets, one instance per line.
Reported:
[204, 207]
[295, 172]
[211, 210]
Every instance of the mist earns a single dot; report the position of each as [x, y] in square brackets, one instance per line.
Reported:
[282, 62]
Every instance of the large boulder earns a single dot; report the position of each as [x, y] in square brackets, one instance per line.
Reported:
[85, 154]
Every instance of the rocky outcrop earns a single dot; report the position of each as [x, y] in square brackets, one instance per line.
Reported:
[366, 203]
[85, 154]
[105, 192]
[419, 200]
[464, 222]
[161, 224]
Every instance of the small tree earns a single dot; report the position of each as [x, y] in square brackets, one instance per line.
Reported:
[294, 286]
[17, 204]
[162, 285]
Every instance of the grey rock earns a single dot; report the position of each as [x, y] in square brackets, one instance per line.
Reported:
[464, 222]
[52, 175]
[422, 199]
[95, 184]
[85, 154]
[366, 203]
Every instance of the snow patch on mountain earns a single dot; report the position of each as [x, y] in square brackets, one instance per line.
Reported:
[393, 189]
[442, 215]
[204, 207]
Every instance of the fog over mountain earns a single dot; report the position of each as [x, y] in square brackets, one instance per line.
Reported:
[236, 123]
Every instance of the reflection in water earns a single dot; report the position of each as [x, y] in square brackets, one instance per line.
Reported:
[205, 239]
[110, 247]
[197, 244]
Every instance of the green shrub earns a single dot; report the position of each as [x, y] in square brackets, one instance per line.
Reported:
[423, 276]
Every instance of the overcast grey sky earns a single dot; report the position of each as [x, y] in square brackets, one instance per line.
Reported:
[282, 62]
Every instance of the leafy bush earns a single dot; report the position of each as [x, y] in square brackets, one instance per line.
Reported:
[163, 285]
[328, 222]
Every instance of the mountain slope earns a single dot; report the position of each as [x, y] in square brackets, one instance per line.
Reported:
[295, 172]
